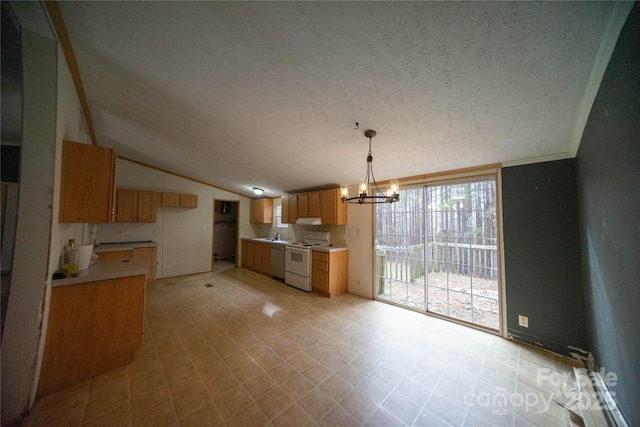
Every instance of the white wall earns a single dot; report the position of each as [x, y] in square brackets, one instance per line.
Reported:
[359, 230]
[184, 236]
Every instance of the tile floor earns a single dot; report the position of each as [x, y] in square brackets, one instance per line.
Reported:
[251, 351]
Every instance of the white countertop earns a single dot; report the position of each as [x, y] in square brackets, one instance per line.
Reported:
[105, 270]
[329, 248]
[125, 246]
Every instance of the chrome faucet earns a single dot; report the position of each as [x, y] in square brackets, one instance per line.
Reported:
[276, 236]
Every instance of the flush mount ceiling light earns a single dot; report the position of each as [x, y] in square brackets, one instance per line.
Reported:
[369, 192]
[258, 190]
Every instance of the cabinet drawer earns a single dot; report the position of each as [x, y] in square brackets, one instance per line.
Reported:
[320, 266]
[320, 256]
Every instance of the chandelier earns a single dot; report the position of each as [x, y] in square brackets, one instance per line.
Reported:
[369, 192]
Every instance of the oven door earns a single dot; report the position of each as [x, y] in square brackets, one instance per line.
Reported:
[298, 261]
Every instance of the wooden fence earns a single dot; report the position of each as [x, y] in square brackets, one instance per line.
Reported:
[408, 264]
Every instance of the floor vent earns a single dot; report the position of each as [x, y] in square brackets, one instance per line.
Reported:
[208, 285]
[169, 284]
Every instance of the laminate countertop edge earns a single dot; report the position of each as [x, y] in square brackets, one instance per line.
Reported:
[106, 270]
[128, 246]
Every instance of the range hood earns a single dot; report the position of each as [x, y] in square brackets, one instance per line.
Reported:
[309, 221]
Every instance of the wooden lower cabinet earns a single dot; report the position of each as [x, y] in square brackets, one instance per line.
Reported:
[256, 256]
[150, 257]
[93, 328]
[329, 272]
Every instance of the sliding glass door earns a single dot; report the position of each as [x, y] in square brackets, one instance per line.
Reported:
[437, 251]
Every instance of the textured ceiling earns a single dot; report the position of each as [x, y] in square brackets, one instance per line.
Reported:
[267, 93]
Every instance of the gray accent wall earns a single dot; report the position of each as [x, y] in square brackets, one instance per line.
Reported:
[608, 184]
[542, 256]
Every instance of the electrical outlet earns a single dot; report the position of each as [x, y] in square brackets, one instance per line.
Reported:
[523, 321]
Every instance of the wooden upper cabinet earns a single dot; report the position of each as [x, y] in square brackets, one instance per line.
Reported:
[293, 209]
[148, 202]
[188, 201]
[87, 184]
[137, 205]
[127, 205]
[333, 211]
[314, 204]
[177, 200]
[171, 200]
[261, 211]
[303, 205]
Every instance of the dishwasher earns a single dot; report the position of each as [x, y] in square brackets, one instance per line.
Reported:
[277, 260]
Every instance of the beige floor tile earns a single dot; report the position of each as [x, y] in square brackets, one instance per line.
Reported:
[260, 385]
[234, 401]
[138, 371]
[336, 387]
[207, 416]
[214, 370]
[250, 416]
[275, 402]
[282, 372]
[247, 372]
[161, 416]
[120, 416]
[180, 370]
[146, 384]
[185, 384]
[338, 416]
[294, 417]
[149, 401]
[105, 404]
[317, 373]
[359, 405]
[298, 386]
[191, 401]
[317, 403]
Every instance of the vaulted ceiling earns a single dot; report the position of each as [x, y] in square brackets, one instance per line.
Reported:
[268, 93]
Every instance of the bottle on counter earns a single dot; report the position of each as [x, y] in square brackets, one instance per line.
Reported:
[70, 259]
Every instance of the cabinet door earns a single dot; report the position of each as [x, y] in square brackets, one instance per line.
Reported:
[285, 210]
[188, 201]
[171, 200]
[257, 256]
[303, 205]
[147, 205]
[266, 258]
[314, 204]
[293, 209]
[150, 257]
[248, 251]
[87, 180]
[127, 205]
[333, 211]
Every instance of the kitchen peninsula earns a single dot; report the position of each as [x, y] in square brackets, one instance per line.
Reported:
[95, 323]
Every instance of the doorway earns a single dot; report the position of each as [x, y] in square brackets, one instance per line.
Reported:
[225, 235]
[437, 251]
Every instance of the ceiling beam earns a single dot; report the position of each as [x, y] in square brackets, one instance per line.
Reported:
[65, 43]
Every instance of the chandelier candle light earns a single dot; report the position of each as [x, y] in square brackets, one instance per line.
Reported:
[369, 192]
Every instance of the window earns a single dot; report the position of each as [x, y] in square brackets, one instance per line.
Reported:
[277, 215]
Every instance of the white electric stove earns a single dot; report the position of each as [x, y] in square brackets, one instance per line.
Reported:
[297, 264]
